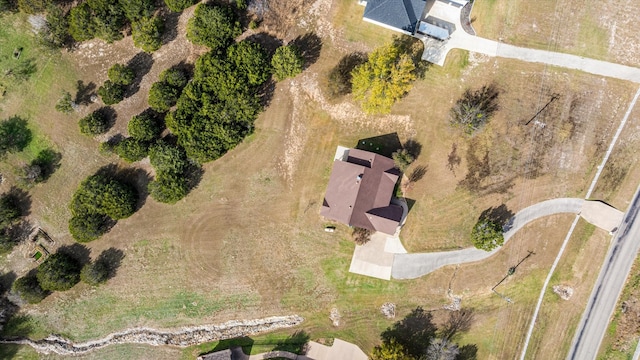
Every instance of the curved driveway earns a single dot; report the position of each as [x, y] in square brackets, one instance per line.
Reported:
[411, 266]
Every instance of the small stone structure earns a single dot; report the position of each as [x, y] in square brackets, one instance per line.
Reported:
[564, 291]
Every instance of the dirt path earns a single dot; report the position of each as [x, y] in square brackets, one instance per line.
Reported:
[183, 337]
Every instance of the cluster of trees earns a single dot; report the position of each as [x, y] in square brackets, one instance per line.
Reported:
[98, 203]
[165, 92]
[214, 26]
[487, 234]
[475, 108]
[105, 19]
[113, 90]
[416, 337]
[61, 271]
[216, 110]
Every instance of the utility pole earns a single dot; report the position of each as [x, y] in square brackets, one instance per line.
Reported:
[511, 271]
[554, 97]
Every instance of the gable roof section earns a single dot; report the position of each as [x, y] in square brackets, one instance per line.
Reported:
[359, 192]
[398, 15]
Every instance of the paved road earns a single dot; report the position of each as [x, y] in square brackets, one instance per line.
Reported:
[608, 287]
[411, 266]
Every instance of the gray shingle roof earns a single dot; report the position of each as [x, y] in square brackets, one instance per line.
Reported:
[400, 14]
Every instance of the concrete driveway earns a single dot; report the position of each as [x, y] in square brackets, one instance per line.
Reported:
[411, 266]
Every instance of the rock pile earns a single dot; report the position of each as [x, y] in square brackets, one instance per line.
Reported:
[388, 310]
[564, 291]
[182, 337]
[335, 317]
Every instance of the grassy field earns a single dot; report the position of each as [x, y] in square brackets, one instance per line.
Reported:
[600, 31]
[249, 241]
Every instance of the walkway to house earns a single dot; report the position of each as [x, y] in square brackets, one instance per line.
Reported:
[436, 52]
[384, 256]
[340, 350]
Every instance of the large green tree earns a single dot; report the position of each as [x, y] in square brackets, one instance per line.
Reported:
[145, 126]
[121, 74]
[57, 31]
[179, 5]
[383, 79]
[81, 25]
[95, 123]
[131, 149]
[286, 62]
[111, 92]
[487, 234]
[213, 25]
[165, 92]
[58, 272]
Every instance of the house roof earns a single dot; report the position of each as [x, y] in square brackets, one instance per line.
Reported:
[401, 15]
[359, 192]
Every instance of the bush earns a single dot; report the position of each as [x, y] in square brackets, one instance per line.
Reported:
[179, 5]
[147, 33]
[33, 6]
[14, 135]
[402, 159]
[145, 127]
[65, 104]
[168, 158]
[131, 149]
[475, 108]
[121, 74]
[286, 62]
[174, 77]
[29, 289]
[94, 273]
[213, 25]
[58, 272]
[111, 93]
[487, 235]
[95, 123]
[361, 236]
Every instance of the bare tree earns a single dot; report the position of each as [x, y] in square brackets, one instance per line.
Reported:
[458, 321]
[361, 236]
[442, 349]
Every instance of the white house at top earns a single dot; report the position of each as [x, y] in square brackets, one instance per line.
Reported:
[412, 17]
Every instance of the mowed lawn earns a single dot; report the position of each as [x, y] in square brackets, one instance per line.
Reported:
[249, 242]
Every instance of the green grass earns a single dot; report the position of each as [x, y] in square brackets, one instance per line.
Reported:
[349, 18]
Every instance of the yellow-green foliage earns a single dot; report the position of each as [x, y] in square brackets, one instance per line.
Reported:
[384, 79]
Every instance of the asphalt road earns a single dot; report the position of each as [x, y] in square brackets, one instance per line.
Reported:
[608, 287]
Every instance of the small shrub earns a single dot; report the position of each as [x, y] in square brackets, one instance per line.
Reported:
[121, 74]
[168, 187]
[65, 104]
[402, 159]
[131, 149]
[475, 108]
[144, 127]
[487, 235]
[94, 273]
[361, 236]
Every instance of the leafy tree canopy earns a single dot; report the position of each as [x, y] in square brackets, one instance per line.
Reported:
[168, 158]
[213, 25]
[145, 126]
[147, 33]
[383, 79]
[58, 272]
[286, 62]
[137, 9]
[33, 6]
[168, 187]
[131, 149]
[162, 96]
[57, 31]
[250, 59]
[81, 25]
[487, 234]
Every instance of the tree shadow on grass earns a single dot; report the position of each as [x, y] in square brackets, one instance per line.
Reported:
[499, 215]
[340, 76]
[265, 92]
[170, 32]
[84, 92]
[309, 46]
[111, 259]
[296, 343]
[384, 145]
[20, 199]
[109, 114]
[414, 332]
[6, 280]
[49, 161]
[18, 135]
[140, 64]
[79, 252]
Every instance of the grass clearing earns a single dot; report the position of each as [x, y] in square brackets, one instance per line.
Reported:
[348, 18]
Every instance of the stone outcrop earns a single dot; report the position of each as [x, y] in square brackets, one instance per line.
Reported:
[183, 337]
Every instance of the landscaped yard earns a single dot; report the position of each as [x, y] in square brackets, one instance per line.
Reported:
[248, 242]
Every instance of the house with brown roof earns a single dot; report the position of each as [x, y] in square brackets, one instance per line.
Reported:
[360, 191]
